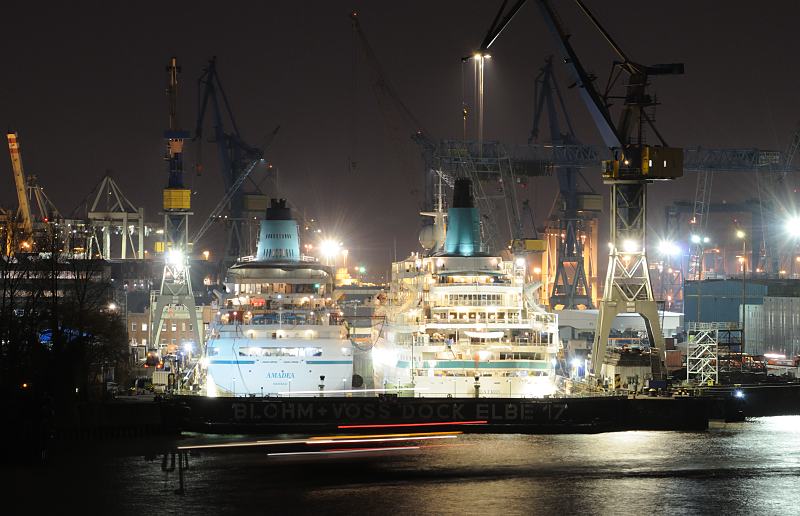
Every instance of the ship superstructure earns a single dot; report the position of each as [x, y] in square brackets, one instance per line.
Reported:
[462, 322]
[278, 331]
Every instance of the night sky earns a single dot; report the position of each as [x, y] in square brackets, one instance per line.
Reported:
[84, 87]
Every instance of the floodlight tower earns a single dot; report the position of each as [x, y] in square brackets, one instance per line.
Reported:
[175, 296]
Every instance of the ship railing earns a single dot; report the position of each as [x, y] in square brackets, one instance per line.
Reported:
[284, 323]
[699, 326]
[502, 282]
[482, 321]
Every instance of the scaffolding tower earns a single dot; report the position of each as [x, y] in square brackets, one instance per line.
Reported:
[702, 354]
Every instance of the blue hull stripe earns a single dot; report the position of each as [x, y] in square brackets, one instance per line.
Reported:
[233, 361]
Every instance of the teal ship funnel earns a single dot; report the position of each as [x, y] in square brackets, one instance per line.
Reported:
[463, 223]
[278, 237]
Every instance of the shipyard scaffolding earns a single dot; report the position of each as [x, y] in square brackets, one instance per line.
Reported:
[702, 363]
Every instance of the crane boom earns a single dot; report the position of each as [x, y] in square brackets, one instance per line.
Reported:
[20, 181]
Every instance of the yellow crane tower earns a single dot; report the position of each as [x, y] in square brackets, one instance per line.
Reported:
[21, 183]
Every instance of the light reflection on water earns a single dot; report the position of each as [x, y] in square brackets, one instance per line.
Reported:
[742, 468]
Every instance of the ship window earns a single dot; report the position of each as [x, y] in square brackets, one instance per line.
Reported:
[313, 352]
[212, 352]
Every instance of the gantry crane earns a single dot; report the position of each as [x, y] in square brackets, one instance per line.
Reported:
[633, 165]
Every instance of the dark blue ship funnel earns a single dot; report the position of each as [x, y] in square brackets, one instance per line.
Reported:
[463, 224]
[278, 237]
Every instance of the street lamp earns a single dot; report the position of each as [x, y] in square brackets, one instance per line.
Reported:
[741, 235]
[699, 241]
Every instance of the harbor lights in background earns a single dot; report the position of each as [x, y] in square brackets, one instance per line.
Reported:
[668, 248]
[792, 226]
[330, 249]
[578, 367]
[792, 230]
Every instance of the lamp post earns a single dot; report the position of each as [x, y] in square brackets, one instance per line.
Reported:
[743, 237]
[699, 241]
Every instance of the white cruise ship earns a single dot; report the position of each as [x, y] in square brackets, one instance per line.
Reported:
[277, 331]
[463, 323]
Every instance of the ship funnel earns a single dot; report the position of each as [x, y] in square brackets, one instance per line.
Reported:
[462, 194]
[463, 225]
[278, 237]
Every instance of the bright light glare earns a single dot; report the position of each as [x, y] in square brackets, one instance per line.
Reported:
[738, 393]
[520, 262]
[630, 246]
[577, 362]
[793, 226]
[668, 248]
[175, 257]
[740, 233]
[112, 306]
[329, 248]
[695, 239]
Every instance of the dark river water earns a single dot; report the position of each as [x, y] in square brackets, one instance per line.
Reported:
[742, 468]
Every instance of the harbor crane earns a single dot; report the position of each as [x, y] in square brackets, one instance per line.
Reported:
[570, 286]
[21, 184]
[36, 211]
[175, 298]
[237, 160]
[633, 165]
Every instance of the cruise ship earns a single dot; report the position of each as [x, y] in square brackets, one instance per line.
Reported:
[462, 322]
[277, 331]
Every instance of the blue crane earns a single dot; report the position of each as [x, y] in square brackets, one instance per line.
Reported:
[570, 286]
[236, 159]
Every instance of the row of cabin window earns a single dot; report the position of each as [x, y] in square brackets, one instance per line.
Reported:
[473, 299]
[280, 352]
[135, 326]
[275, 288]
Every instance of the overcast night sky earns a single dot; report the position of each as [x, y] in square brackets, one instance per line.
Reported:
[84, 86]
